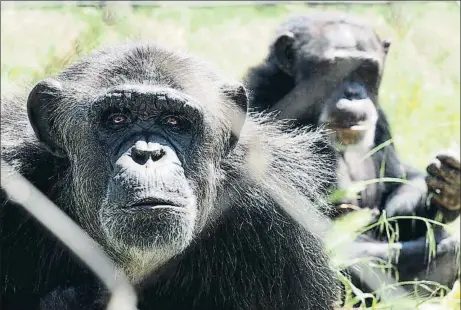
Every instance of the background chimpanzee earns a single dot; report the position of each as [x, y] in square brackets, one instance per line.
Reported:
[325, 70]
[152, 153]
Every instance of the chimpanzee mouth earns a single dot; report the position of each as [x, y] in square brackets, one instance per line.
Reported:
[358, 126]
[150, 204]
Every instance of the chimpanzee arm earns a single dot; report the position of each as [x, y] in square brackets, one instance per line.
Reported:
[412, 254]
[413, 199]
[411, 258]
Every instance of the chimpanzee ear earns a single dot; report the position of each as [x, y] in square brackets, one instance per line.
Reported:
[386, 46]
[41, 103]
[237, 93]
[284, 53]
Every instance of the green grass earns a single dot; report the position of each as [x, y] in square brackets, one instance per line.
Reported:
[420, 90]
[421, 84]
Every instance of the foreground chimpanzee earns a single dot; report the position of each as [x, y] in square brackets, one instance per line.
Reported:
[152, 153]
[325, 70]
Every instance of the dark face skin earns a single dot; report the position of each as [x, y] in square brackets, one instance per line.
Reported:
[336, 71]
[140, 155]
[145, 133]
[131, 161]
[350, 112]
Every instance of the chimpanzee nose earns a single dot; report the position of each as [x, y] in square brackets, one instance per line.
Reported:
[353, 92]
[142, 151]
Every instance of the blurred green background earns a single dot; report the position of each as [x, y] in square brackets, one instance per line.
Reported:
[421, 84]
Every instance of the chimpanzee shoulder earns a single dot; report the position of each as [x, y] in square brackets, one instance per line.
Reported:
[267, 84]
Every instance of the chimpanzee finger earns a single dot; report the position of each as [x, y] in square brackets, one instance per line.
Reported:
[444, 172]
[451, 203]
[445, 195]
[450, 158]
[442, 186]
[434, 167]
[435, 183]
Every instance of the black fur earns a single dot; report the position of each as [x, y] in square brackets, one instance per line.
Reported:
[250, 254]
[270, 81]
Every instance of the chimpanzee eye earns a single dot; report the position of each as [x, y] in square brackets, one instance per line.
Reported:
[117, 119]
[172, 121]
[176, 123]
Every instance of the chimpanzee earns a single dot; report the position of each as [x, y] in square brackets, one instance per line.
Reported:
[152, 153]
[325, 70]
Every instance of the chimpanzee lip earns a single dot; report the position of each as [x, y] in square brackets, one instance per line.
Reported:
[359, 126]
[152, 204]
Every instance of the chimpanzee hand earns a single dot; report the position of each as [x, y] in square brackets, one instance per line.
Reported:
[444, 180]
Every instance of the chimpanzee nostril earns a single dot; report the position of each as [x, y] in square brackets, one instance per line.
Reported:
[141, 152]
[140, 156]
[157, 154]
[351, 93]
[354, 91]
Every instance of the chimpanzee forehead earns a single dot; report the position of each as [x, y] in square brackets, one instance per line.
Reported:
[136, 64]
[324, 31]
[342, 35]
[145, 97]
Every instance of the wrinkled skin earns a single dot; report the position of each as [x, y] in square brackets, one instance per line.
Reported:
[324, 70]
